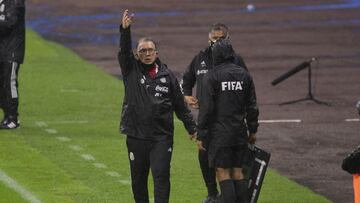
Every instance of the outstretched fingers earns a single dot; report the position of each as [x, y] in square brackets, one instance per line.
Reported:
[126, 19]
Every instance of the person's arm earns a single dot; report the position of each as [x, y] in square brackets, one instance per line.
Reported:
[252, 111]
[9, 15]
[206, 107]
[188, 82]
[125, 55]
[180, 108]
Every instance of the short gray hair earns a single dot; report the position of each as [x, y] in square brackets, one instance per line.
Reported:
[146, 39]
[220, 27]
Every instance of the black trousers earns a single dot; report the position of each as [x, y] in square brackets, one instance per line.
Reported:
[208, 173]
[9, 97]
[143, 156]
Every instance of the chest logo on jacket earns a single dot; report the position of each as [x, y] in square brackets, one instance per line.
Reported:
[161, 89]
[142, 80]
[163, 80]
[231, 85]
[199, 72]
[203, 64]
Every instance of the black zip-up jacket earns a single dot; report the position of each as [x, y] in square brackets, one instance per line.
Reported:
[228, 106]
[198, 67]
[12, 30]
[351, 163]
[149, 103]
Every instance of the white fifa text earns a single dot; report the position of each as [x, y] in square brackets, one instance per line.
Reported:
[231, 86]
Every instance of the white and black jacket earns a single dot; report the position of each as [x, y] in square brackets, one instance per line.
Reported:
[149, 103]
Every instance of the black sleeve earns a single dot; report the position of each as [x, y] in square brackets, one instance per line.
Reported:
[189, 78]
[206, 106]
[125, 55]
[10, 14]
[351, 163]
[252, 110]
[181, 110]
[240, 62]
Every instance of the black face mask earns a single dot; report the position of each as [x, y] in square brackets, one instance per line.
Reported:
[211, 44]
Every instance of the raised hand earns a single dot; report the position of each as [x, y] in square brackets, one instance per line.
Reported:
[126, 19]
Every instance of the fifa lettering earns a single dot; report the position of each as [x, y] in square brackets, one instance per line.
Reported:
[231, 86]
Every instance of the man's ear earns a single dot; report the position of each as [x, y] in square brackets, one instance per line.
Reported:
[136, 55]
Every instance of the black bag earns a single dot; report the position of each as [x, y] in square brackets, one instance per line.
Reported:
[255, 169]
[351, 163]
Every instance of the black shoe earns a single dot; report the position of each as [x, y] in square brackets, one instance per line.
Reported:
[9, 123]
[210, 199]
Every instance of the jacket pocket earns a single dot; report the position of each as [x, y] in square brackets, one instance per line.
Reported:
[163, 119]
[126, 119]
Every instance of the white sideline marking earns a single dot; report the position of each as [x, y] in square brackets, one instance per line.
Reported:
[281, 121]
[113, 174]
[270, 121]
[11, 183]
[69, 90]
[51, 131]
[68, 122]
[125, 182]
[75, 147]
[63, 139]
[41, 124]
[88, 157]
[99, 165]
[352, 120]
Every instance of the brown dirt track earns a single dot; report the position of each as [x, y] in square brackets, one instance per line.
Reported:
[276, 37]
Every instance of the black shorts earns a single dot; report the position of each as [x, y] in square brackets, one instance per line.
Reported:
[230, 157]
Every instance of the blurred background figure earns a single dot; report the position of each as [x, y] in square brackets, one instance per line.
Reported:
[12, 48]
[351, 164]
